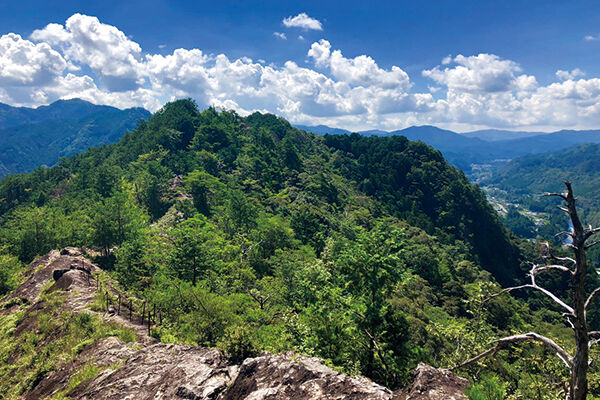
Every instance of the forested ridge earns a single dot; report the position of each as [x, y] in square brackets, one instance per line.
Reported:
[30, 137]
[251, 235]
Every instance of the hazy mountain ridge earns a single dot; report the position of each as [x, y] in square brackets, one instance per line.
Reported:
[33, 137]
[482, 147]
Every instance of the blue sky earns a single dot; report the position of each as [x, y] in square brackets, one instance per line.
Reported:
[463, 65]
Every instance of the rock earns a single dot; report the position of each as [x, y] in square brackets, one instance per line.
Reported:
[434, 384]
[173, 371]
[290, 376]
[71, 251]
[160, 371]
[58, 273]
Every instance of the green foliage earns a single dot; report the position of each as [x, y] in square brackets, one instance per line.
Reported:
[9, 268]
[519, 224]
[487, 389]
[250, 235]
[87, 372]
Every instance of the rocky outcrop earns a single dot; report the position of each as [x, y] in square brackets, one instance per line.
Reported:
[151, 370]
[173, 371]
[290, 376]
[434, 384]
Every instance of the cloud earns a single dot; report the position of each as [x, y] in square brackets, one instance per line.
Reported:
[482, 73]
[303, 21]
[88, 59]
[590, 38]
[361, 70]
[280, 35]
[84, 40]
[23, 63]
[566, 75]
[485, 90]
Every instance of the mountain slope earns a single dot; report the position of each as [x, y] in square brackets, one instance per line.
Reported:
[62, 109]
[250, 235]
[70, 334]
[539, 173]
[524, 179]
[482, 147]
[33, 137]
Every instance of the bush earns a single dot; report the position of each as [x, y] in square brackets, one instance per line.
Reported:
[239, 343]
[487, 389]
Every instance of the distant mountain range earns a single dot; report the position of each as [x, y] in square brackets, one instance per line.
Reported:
[30, 137]
[480, 147]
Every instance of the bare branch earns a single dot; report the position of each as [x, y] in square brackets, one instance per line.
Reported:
[561, 208]
[562, 259]
[561, 195]
[504, 342]
[568, 318]
[564, 233]
[537, 269]
[556, 258]
[591, 297]
[595, 242]
[590, 232]
[533, 285]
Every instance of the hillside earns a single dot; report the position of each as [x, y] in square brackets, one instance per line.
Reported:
[33, 137]
[86, 350]
[481, 147]
[249, 235]
[525, 179]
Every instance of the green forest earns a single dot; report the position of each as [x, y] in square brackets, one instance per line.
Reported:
[526, 179]
[249, 235]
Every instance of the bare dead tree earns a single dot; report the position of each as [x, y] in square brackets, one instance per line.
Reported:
[575, 312]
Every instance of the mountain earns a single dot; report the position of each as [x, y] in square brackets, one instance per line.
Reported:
[539, 173]
[495, 135]
[61, 109]
[323, 130]
[326, 130]
[481, 147]
[247, 235]
[33, 137]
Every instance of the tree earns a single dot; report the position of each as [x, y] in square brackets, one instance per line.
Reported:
[116, 219]
[576, 312]
[194, 248]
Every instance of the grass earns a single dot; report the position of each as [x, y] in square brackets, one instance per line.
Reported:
[54, 337]
[87, 372]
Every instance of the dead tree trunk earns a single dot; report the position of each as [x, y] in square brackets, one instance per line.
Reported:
[576, 313]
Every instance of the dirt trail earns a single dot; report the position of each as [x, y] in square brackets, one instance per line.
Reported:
[70, 271]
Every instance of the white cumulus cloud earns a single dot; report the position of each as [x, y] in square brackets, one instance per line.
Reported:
[569, 75]
[88, 59]
[303, 21]
[23, 63]
[84, 40]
